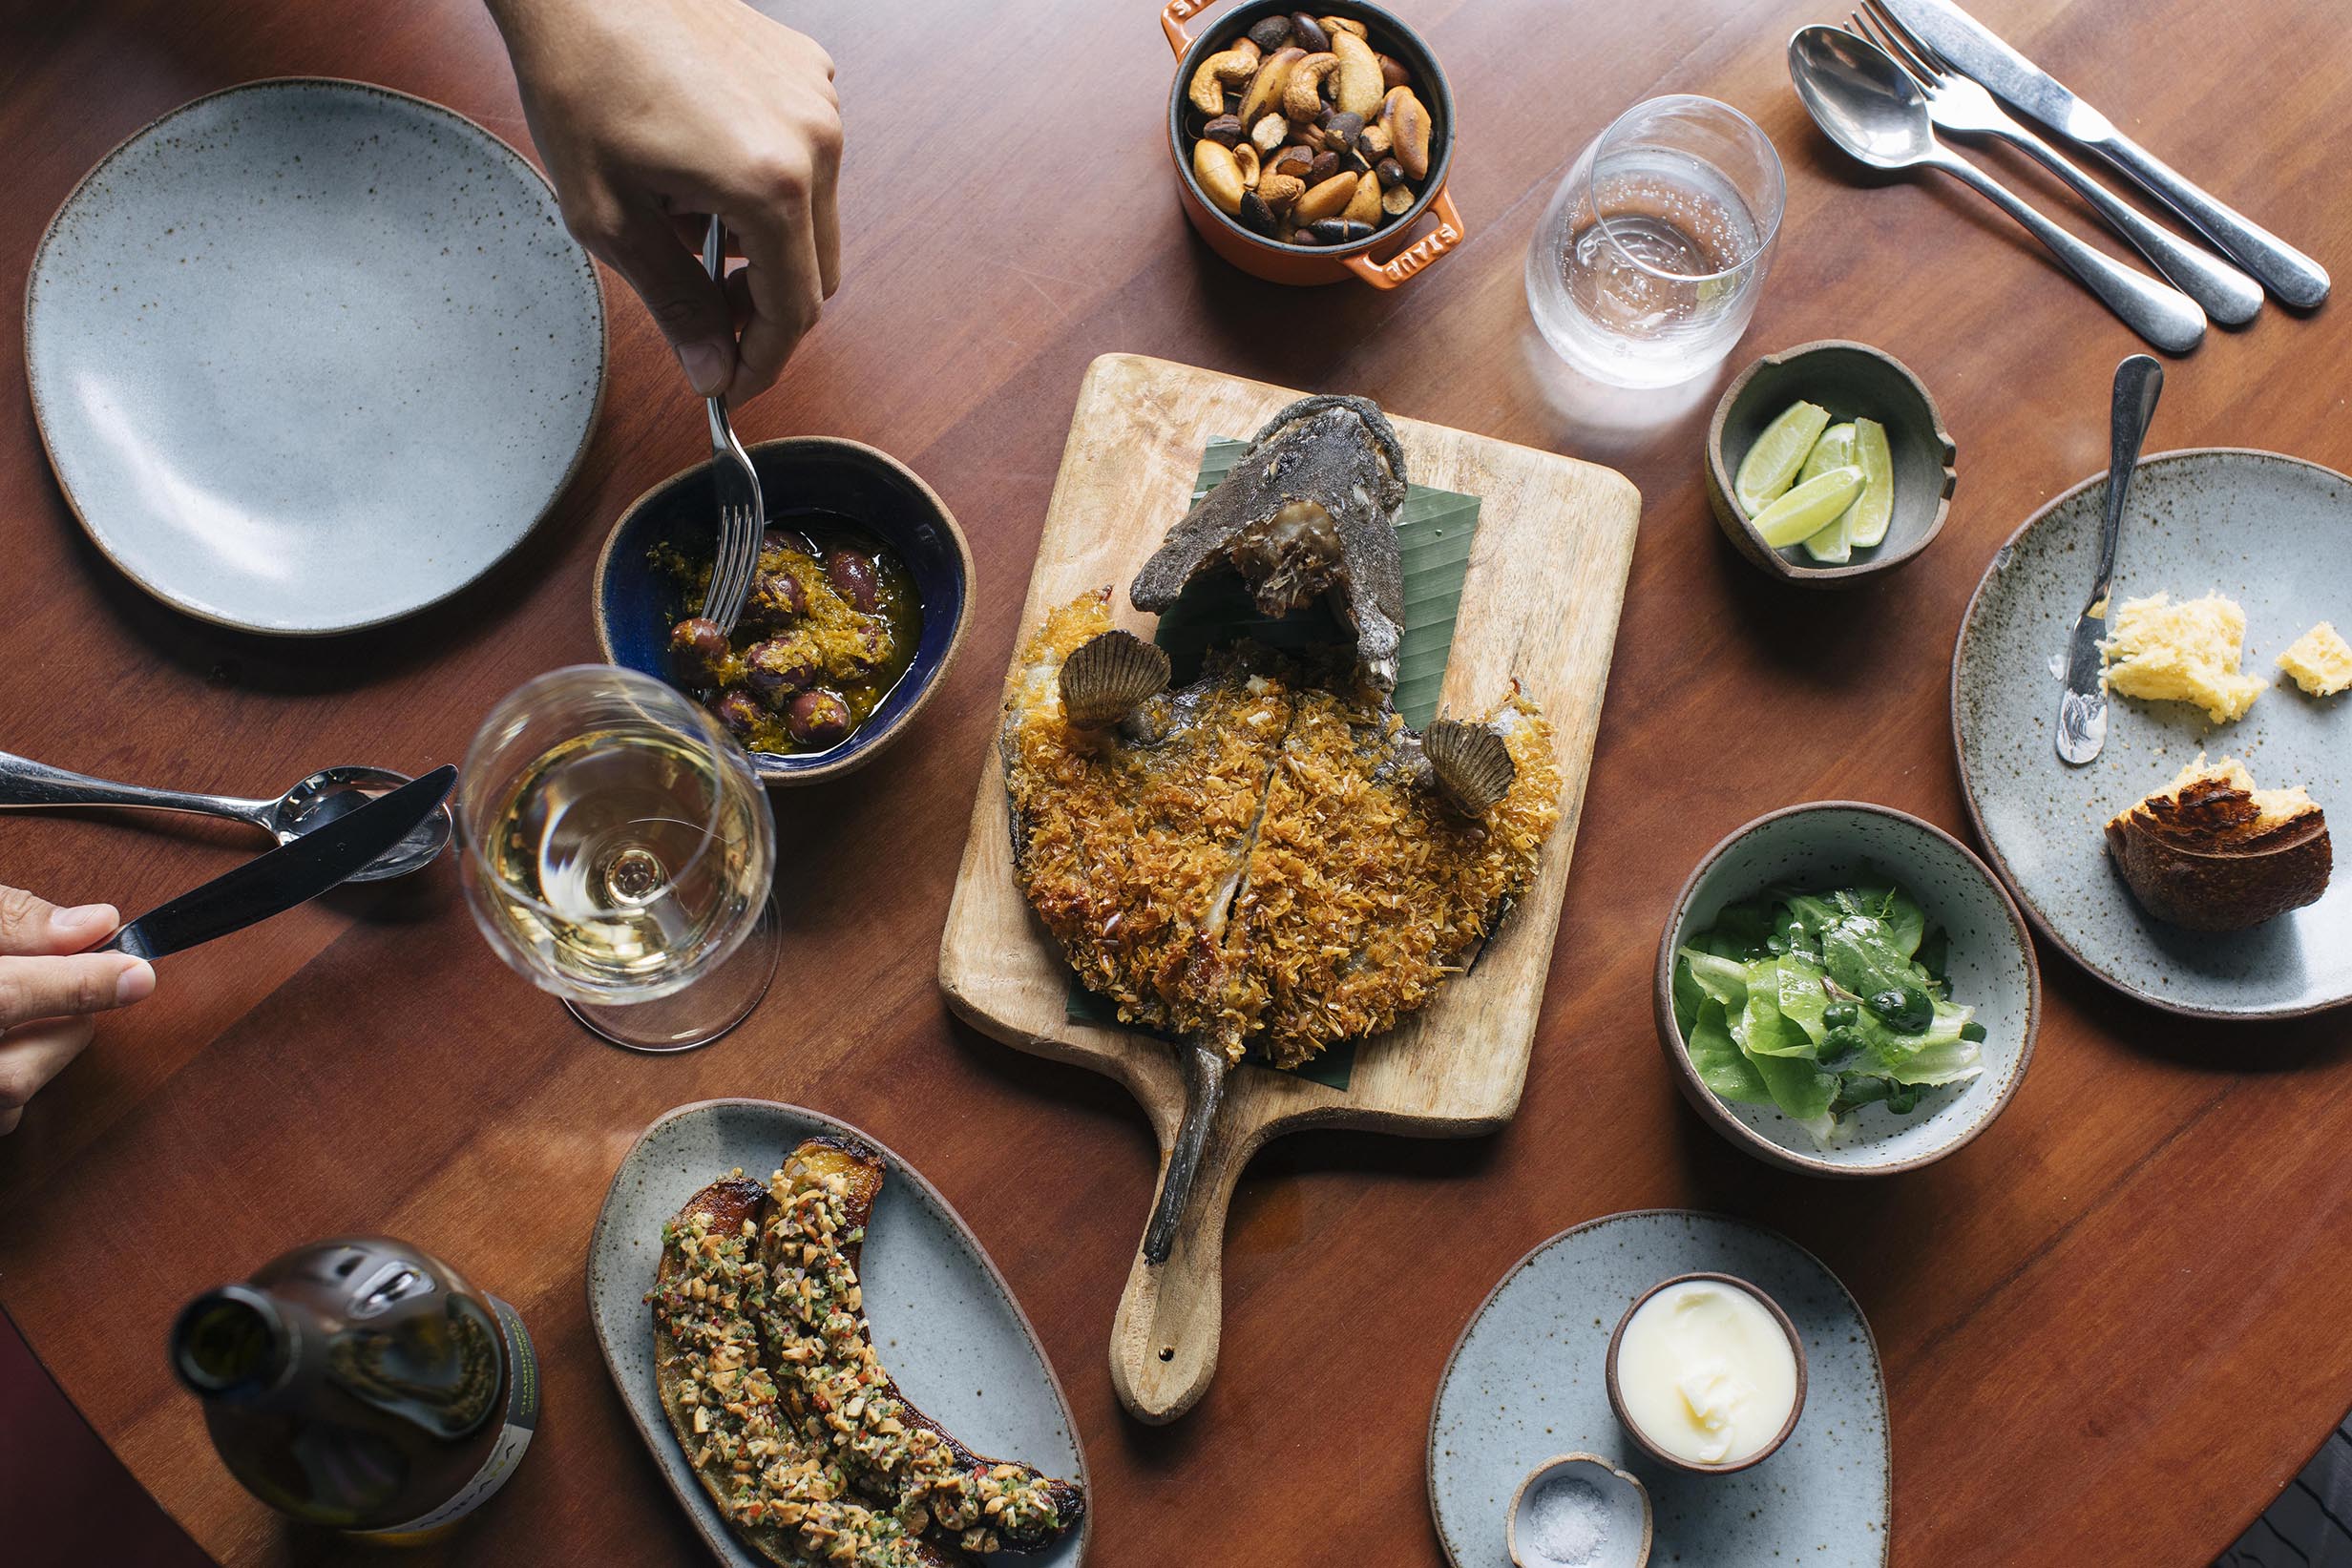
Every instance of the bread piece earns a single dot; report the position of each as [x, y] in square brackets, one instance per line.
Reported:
[2320, 661]
[2189, 652]
[2212, 852]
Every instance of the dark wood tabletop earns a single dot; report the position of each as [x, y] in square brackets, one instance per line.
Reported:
[2112, 1328]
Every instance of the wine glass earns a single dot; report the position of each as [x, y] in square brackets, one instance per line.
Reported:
[617, 850]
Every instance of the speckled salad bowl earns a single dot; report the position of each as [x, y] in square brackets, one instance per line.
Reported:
[1990, 964]
[633, 602]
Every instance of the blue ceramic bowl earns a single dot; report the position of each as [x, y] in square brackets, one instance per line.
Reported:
[634, 605]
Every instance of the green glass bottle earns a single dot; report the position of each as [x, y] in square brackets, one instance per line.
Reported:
[362, 1385]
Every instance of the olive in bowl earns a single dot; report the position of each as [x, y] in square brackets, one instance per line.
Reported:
[856, 611]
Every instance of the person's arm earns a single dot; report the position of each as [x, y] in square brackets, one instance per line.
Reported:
[650, 111]
[49, 986]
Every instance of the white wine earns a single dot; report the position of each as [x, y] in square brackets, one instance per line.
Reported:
[624, 861]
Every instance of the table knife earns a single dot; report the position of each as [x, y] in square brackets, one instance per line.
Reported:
[2082, 711]
[1977, 52]
[294, 873]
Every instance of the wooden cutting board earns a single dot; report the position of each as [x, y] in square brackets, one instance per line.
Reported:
[1547, 577]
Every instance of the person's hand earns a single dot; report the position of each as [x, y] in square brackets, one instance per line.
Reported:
[46, 996]
[651, 113]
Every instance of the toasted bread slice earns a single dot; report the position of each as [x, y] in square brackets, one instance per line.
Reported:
[816, 1336]
[2212, 852]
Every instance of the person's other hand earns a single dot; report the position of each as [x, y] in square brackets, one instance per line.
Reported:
[651, 113]
[49, 988]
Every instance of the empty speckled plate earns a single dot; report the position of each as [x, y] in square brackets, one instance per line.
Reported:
[1528, 1380]
[310, 355]
[943, 1319]
[2273, 533]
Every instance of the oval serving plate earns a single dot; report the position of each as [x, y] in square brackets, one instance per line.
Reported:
[1528, 1379]
[943, 1317]
[2273, 533]
[309, 355]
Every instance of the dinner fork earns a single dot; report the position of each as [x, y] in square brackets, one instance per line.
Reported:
[1958, 103]
[741, 515]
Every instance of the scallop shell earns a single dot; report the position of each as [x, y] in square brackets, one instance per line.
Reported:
[1108, 677]
[1474, 767]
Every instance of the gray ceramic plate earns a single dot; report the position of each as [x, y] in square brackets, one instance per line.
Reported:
[309, 355]
[943, 1317]
[2273, 533]
[1527, 1381]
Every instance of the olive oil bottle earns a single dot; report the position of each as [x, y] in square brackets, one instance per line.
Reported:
[362, 1384]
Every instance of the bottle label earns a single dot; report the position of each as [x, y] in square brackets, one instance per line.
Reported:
[522, 1416]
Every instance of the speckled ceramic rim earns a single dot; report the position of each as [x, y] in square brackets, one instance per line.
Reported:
[1967, 774]
[1703, 1098]
[1510, 1520]
[1870, 1348]
[899, 1168]
[1771, 560]
[40, 423]
[1633, 1428]
[1234, 25]
[789, 446]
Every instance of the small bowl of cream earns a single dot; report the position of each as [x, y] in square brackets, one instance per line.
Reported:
[1707, 1373]
[1579, 1511]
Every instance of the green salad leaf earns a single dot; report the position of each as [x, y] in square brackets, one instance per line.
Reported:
[1818, 1003]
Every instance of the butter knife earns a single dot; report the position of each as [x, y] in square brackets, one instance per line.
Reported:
[2082, 712]
[1979, 53]
[294, 873]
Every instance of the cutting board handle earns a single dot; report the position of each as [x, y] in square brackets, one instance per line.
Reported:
[1164, 1341]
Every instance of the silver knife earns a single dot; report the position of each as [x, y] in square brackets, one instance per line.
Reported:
[1977, 52]
[294, 873]
[2082, 712]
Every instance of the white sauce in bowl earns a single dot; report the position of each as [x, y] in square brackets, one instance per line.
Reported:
[1706, 1373]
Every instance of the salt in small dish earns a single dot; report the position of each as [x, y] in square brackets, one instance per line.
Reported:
[1852, 381]
[1579, 1511]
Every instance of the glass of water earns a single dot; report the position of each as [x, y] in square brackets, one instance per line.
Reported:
[1646, 267]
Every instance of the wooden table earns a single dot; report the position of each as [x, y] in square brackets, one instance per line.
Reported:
[2112, 1328]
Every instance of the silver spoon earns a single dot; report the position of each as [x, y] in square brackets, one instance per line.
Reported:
[2082, 710]
[312, 804]
[1863, 101]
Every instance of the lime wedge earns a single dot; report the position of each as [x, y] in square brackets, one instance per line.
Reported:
[1831, 546]
[1866, 524]
[1771, 465]
[1809, 508]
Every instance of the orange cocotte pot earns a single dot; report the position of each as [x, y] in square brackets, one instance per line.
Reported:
[1270, 258]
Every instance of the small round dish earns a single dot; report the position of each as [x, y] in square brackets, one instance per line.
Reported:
[1642, 1439]
[1852, 381]
[1262, 257]
[1604, 1517]
[1990, 964]
[871, 488]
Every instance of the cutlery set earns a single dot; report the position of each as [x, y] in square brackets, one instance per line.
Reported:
[1904, 70]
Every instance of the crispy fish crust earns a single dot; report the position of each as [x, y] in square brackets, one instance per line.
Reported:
[1259, 855]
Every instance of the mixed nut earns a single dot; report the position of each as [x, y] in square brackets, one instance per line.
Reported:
[1306, 134]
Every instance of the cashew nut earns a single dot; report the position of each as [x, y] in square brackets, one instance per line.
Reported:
[1279, 191]
[1246, 158]
[1214, 165]
[1359, 91]
[1325, 200]
[1302, 97]
[1230, 67]
[1265, 88]
[1407, 124]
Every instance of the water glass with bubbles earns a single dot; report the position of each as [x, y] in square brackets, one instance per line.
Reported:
[1646, 267]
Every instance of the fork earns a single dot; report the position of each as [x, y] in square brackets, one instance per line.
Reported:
[741, 515]
[1958, 103]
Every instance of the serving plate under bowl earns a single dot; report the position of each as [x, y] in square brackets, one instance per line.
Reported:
[1990, 964]
[633, 606]
[2273, 533]
[309, 355]
[1527, 1379]
[943, 1317]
